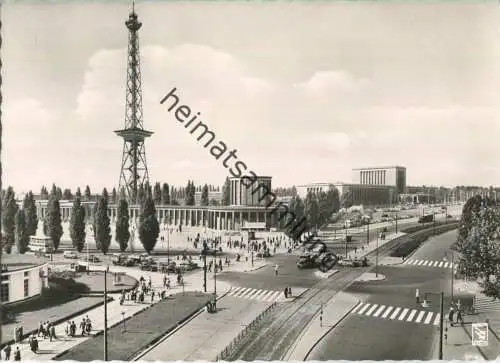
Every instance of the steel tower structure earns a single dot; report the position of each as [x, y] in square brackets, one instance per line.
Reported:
[134, 168]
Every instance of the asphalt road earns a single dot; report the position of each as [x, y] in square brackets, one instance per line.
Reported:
[264, 278]
[361, 337]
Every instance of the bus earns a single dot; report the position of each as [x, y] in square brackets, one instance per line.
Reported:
[40, 244]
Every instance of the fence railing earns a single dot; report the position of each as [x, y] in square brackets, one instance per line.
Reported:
[242, 334]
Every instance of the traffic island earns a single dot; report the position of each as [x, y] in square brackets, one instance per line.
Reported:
[127, 338]
[95, 282]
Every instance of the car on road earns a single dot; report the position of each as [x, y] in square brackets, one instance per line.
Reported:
[70, 254]
[148, 266]
[327, 261]
[317, 247]
[187, 266]
[92, 258]
[306, 261]
[349, 262]
[264, 254]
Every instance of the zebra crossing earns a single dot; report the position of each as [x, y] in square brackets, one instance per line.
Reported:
[486, 304]
[257, 294]
[427, 263]
[395, 313]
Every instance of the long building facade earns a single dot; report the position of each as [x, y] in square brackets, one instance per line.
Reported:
[247, 209]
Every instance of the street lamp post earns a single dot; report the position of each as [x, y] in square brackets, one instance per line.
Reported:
[215, 278]
[123, 321]
[441, 319]
[452, 272]
[368, 233]
[105, 315]
[252, 258]
[396, 223]
[346, 241]
[168, 248]
[376, 257]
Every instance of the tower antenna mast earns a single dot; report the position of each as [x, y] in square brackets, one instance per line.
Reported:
[134, 169]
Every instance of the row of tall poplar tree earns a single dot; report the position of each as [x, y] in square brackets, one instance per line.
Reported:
[21, 223]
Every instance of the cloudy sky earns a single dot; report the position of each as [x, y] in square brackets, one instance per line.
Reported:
[303, 91]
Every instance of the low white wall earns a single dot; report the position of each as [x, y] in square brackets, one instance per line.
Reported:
[15, 281]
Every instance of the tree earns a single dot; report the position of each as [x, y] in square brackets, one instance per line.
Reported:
[141, 195]
[204, 195]
[102, 225]
[346, 201]
[88, 195]
[165, 194]
[59, 193]
[9, 210]
[53, 224]
[44, 193]
[469, 211]
[22, 238]
[122, 233]
[77, 225]
[214, 202]
[190, 193]
[66, 194]
[312, 212]
[294, 221]
[78, 193]
[149, 228]
[31, 218]
[174, 202]
[114, 197]
[226, 192]
[105, 195]
[157, 193]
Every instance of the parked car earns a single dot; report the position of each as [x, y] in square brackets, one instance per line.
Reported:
[70, 254]
[187, 266]
[147, 266]
[264, 254]
[92, 258]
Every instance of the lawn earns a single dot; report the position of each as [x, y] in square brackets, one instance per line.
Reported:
[95, 282]
[140, 330]
[30, 319]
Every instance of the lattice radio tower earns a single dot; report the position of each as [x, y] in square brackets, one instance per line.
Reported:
[134, 168]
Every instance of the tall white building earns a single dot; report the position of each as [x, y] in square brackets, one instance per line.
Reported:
[383, 175]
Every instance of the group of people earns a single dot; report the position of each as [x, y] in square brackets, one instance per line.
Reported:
[46, 330]
[7, 351]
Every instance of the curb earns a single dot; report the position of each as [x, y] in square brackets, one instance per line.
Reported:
[330, 329]
[255, 269]
[477, 347]
[60, 320]
[179, 325]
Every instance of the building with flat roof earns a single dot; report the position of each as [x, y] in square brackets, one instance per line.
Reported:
[381, 175]
[23, 277]
[315, 188]
[256, 194]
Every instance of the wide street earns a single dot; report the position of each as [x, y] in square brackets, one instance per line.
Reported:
[389, 325]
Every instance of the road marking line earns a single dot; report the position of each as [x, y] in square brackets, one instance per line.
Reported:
[420, 262]
[446, 264]
[402, 316]
[441, 264]
[380, 309]
[250, 294]
[266, 295]
[412, 314]
[259, 294]
[429, 317]
[241, 292]
[232, 292]
[387, 312]
[246, 293]
[409, 262]
[436, 321]
[356, 308]
[415, 262]
[425, 263]
[420, 316]
[369, 312]
[364, 308]
[274, 296]
[451, 265]
[435, 264]
[395, 313]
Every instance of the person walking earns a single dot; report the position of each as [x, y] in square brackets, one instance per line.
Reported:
[6, 351]
[417, 296]
[276, 269]
[17, 354]
[451, 315]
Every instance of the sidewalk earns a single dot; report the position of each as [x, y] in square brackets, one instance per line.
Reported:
[333, 312]
[116, 313]
[372, 245]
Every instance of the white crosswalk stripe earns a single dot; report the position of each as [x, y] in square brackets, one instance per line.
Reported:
[485, 304]
[395, 313]
[256, 294]
[428, 263]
